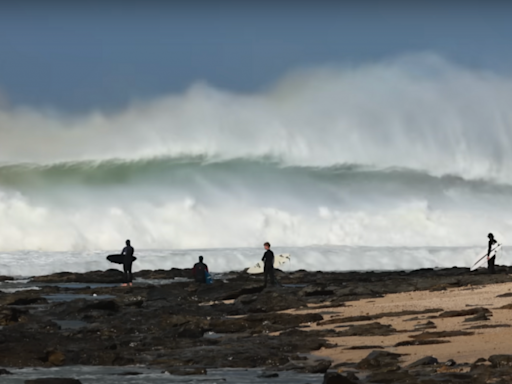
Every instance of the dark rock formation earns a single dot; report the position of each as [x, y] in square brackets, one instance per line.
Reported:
[186, 328]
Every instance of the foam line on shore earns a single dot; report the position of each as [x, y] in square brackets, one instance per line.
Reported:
[222, 260]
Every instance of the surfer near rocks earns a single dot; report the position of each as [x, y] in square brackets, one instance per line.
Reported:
[199, 271]
[128, 252]
[268, 259]
[491, 260]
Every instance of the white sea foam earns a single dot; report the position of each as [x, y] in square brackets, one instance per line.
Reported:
[326, 258]
[412, 152]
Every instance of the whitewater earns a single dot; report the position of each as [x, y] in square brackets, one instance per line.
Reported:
[397, 164]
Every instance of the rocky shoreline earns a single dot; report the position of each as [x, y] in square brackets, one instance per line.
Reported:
[186, 329]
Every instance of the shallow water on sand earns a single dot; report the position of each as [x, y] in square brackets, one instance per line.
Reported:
[109, 375]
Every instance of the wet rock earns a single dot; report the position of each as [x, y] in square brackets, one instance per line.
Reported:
[187, 371]
[270, 301]
[317, 290]
[320, 333]
[111, 276]
[449, 378]
[428, 360]
[320, 366]
[478, 317]
[372, 329]
[268, 375]
[161, 274]
[508, 294]
[257, 323]
[53, 381]
[353, 319]
[307, 366]
[409, 343]
[246, 299]
[443, 287]
[10, 316]
[489, 326]
[392, 378]
[380, 361]
[6, 278]
[4, 372]
[230, 291]
[344, 320]
[438, 335]
[336, 378]
[352, 376]
[129, 373]
[427, 325]
[483, 374]
[260, 351]
[465, 312]
[176, 292]
[500, 360]
[357, 291]
[55, 358]
[480, 361]
[103, 305]
[28, 301]
[450, 363]
[506, 306]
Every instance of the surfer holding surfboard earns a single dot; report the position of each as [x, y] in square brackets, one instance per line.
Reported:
[491, 256]
[494, 245]
[128, 252]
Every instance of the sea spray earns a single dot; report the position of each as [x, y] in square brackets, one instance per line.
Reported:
[412, 152]
[313, 258]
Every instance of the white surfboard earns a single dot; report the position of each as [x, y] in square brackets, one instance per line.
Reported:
[278, 261]
[482, 260]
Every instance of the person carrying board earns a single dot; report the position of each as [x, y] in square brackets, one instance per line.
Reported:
[268, 259]
[491, 260]
[128, 252]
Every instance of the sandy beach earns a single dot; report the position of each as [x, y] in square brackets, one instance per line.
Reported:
[487, 337]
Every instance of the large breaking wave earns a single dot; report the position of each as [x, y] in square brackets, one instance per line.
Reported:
[411, 152]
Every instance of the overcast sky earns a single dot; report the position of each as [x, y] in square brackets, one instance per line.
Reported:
[83, 55]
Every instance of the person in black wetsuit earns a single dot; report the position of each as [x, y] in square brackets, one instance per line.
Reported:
[491, 260]
[128, 252]
[199, 271]
[268, 259]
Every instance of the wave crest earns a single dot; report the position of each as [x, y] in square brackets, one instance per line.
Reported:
[419, 112]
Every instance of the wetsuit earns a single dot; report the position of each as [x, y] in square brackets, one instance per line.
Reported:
[268, 270]
[127, 263]
[199, 272]
[492, 260]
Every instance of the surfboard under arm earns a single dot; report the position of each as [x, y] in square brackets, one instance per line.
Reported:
[279, 260]
[118, 259]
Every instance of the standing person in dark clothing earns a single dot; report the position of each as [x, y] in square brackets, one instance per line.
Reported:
[128, 252]
[199, 271]
[268, 259]
[491, 260]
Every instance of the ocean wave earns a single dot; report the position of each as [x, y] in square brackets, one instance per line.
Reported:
[154, 170]
[407, 152]
[418, 112]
